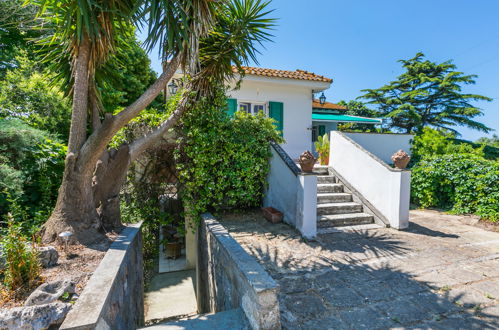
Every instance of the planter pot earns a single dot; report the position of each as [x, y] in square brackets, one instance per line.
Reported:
[324, 161]
[272, 215]
[307, 166]
[401, 159]
[173, 250]
[307, 161]
[401, 164]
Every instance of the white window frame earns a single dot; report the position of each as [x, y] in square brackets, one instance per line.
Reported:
[252, 106]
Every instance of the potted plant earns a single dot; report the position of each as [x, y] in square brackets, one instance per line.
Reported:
[307, 161]
[401, 159]
[172, 247]
[172, 241]
[322, 147]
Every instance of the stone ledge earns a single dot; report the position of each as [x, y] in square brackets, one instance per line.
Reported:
[234, 279]
[113, 297]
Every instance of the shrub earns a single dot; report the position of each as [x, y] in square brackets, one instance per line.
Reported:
[433, 142]
[223, 162]
[22, 268]
[31, 168]
[462, 183]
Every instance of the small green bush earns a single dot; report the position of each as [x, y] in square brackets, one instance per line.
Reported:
[223, 162]
[462, 183]
[22, 268]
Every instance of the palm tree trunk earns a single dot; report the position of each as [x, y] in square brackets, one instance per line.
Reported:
[78, 129]
[74, 210]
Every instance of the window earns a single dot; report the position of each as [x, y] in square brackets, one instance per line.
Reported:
[258, 107]
[252, 108]
[246, 107]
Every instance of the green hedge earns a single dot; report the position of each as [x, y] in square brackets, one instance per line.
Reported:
[462, 183]
[223, 162]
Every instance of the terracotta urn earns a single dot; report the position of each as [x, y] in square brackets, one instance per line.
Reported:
[401, 159]
[307, 161]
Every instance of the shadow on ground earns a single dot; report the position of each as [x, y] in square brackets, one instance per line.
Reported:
[362, 279]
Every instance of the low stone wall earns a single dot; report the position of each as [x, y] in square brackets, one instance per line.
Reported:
[229, 278]
[114, 296]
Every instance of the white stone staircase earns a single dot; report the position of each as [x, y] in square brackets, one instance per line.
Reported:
[336, 210]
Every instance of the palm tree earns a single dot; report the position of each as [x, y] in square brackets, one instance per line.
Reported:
[203, 37]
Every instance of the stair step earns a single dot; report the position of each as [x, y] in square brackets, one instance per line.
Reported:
[338, 208]
[346, 229]
[321, 169]
[326, 179]
[329, 188]
[333, 198]
[337, 220]
[230, 319]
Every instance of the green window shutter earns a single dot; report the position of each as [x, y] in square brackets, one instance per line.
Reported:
[276, 112]
[231, 107]
[322, 130]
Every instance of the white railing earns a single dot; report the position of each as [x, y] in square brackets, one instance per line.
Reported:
[292, 192]
[386, 189]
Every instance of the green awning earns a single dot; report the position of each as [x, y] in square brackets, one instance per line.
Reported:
[344, 118]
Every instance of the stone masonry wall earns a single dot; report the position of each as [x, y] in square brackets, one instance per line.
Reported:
[229, 278]
[114, 295]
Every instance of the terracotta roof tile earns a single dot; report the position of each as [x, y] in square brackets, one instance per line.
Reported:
[327, 105]
[298, 74]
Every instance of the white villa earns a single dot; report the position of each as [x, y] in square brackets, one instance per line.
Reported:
[288, 97]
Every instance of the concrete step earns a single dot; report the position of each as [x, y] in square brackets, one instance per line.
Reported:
[337, 220]
[231, 319]
[346, 229]
[338, 208]
[321, 169]
[333, 198]
[329, 188]
[326, 179]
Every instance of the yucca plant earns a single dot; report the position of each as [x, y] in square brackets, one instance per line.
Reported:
[203, 37]
[322, 147]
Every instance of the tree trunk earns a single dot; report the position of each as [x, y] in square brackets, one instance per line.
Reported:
[78, 129]
[75, 209]
[110, 175]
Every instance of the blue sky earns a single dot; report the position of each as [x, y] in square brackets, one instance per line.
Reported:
[358, 43]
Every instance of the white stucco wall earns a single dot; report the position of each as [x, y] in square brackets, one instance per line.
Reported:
[282, 189]
[387, 189]
[295, 195]
[383, 145]
[296, 97]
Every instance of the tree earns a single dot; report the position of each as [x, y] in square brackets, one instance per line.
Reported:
[126, 75]
[427, 94]
[17, 29]
[27, 94]
[357, 108]
[493, 141]
[203, 37]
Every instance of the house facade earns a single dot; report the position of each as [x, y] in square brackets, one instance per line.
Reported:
[288, 98]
